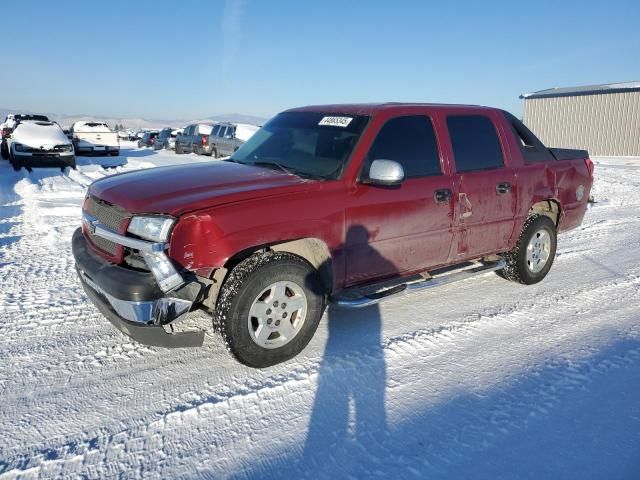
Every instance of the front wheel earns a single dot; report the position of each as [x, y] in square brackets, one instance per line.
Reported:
[16, 163]
[4, 151]
[269, 308]
[531, 259]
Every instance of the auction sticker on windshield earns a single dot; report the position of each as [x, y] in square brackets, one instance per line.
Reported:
[336, 121]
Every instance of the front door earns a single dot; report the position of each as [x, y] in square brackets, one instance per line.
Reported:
[484, 186]
[406, 228]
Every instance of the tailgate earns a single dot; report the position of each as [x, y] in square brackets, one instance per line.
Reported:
[98, 138]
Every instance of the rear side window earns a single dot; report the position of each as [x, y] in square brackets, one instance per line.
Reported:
[215, 130]
[410, 141]
[475, 143]
[222, 131]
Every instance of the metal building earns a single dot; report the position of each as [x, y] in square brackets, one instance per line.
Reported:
[603, 119]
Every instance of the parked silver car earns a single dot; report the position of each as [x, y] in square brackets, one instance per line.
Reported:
[225, 138]
[193, 136]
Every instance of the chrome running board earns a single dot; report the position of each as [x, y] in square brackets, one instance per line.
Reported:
[434, 280]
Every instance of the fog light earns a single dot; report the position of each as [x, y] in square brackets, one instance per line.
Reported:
[163, 270]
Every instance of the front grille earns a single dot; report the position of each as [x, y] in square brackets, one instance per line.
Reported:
[109, 215]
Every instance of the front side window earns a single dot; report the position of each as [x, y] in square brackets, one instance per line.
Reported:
[312, 144]
[410, 141]
[475, 143]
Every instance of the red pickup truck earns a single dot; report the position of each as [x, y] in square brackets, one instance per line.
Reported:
[345, 204]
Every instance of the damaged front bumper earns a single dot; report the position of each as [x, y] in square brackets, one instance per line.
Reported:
[132, 300]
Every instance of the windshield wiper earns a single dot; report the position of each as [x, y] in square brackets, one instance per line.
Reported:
[276, 164]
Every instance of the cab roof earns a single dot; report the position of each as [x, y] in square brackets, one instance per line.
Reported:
[372, 108]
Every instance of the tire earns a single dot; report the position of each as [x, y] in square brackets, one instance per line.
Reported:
[254, 284]
[15, 163]
[532, 258]
[178, 150]
[4, 151]
[214, 153]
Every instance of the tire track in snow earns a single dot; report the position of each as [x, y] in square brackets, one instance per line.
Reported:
[400, 349]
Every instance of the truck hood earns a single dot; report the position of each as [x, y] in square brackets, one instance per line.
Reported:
[183, 188]
[40, 134]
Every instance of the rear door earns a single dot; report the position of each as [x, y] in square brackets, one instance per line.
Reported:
[406, 228]
[485, 186]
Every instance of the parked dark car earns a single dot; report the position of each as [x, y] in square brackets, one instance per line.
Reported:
[192, 135]
[148, 139]
[166, 139]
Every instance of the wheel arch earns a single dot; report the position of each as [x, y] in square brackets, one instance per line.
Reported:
[313, 250]
[549, 208]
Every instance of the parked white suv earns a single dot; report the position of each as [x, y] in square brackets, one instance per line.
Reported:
[94, 138]
[38, 143]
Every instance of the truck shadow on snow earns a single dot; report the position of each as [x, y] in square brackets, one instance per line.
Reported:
[567, 418]
[350, 408]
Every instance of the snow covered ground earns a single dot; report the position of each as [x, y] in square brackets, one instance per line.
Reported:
[482, 379]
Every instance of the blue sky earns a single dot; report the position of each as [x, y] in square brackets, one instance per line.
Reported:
[188, 59]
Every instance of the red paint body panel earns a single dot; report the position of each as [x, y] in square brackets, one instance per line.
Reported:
[372, 232]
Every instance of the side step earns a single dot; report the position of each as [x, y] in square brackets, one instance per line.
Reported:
[417, 283]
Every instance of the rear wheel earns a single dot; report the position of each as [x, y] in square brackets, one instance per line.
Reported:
[532, 258]
[269, 308]
[178, 149]
[4, 150]
[214, 153]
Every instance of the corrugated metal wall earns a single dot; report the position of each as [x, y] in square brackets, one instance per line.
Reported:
[604, 124]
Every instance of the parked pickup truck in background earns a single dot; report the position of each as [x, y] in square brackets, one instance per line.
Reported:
[350, 204]
[94, 138]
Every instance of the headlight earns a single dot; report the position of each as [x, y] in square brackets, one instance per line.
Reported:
[67, 148]
[154, 228]
[19, 147]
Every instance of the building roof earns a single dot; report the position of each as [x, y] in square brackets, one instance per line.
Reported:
[586, 90]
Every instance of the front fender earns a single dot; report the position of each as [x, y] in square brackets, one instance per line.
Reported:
[200, 243]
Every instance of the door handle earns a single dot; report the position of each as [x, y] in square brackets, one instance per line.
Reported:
[502, 188]
[442, 195]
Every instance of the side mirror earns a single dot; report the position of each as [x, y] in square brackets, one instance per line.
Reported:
[385, 172]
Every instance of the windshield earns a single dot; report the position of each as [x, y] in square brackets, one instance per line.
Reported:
[309, 144]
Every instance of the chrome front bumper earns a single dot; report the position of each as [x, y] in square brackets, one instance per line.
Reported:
[132, 301]
[155, 312]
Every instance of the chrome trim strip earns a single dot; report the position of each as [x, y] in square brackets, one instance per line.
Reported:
[168, 282]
